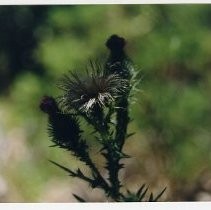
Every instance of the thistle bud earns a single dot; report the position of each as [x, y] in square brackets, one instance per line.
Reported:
[48, 105]
[115, 43]
[64, 130]
[118, 62]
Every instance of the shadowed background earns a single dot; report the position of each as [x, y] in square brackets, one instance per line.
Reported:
[169, 44]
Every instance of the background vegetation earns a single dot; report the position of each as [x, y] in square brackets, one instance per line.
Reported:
[169, 44]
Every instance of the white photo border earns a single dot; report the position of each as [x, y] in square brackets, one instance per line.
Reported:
[105, 206]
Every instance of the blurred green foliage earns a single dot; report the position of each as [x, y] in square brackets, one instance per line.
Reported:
[169, 44]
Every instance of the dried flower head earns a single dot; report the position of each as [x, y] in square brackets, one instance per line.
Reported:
[96, 88]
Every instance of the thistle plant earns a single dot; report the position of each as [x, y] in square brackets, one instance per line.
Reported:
[100, 96]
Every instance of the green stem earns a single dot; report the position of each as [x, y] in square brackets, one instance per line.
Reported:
[100, 180]
[122, 122]
[121, 131]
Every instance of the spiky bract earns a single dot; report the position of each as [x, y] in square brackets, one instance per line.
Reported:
[96, 88]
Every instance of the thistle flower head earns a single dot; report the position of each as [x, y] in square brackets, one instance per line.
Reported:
[96, 88]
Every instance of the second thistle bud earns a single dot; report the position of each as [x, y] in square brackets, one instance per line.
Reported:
[49, 105]
[63, 128]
